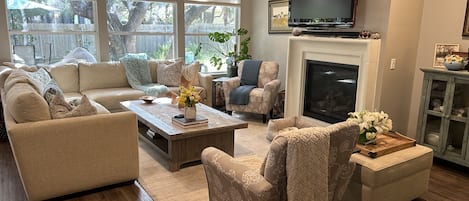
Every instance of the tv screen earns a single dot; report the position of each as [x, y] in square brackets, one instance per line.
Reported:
[318, 13]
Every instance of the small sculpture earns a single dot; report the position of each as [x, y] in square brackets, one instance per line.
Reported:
[436, 103]
[365, 34]
[297, 31]
[375, 35]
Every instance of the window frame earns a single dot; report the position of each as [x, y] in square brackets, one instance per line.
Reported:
[101, 33]
[53, 32]
[212, 3]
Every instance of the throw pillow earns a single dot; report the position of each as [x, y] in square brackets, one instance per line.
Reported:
[41, 76]
[191, 73]
[169, 73]
[59, 108]
[51, 89]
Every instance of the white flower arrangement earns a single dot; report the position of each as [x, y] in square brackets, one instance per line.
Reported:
[371, 123]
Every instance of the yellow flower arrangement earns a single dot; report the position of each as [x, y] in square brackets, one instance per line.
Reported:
[188, 96]
[452, 58]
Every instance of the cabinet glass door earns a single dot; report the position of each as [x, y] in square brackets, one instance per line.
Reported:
[437, 97]
[434, 115]
[458, 121]
[432, 130]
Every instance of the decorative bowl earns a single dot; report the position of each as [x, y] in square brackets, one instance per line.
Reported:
[454, 66]
[147, 99]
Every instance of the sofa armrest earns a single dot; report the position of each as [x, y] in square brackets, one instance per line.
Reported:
[224, 174]
[343, 179]
[75, 154]
[229, 85]
[205, 81]
[271, 92]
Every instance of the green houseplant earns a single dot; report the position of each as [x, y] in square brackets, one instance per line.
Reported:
[229, 54]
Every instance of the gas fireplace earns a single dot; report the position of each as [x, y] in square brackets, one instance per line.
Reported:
[330, 90]
[329, 77]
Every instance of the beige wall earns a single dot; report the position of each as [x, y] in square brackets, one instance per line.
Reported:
[401, 43]
[399, 22]
[436, 27]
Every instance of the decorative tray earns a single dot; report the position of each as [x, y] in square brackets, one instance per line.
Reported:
[385, 144]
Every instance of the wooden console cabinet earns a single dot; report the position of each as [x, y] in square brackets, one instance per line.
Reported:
[443, 119]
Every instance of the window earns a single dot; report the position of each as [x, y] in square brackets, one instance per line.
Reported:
[202, 19]
[137, 26]
[53, 28]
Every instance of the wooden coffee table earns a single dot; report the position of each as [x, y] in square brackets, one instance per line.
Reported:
[183, 145]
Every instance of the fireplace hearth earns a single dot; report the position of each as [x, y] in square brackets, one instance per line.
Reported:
[330, 90]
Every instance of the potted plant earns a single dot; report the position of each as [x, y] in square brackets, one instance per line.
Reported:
[230, 55]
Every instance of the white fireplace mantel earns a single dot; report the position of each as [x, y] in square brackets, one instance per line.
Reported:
[361, 52]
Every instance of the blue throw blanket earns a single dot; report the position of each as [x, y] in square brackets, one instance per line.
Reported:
[138, 74]
[249, 76]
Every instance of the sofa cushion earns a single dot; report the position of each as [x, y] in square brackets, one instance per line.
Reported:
[191, 72]
[66, 77]
[153, 65]
[169, 73]
[101, 76]
[19, 76]
[75, 101]
[25, 104]
[111, 97]
[59, 108]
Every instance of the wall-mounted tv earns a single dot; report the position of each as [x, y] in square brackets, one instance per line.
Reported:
[322, 13]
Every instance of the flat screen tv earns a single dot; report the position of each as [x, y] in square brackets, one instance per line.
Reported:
[322, 13]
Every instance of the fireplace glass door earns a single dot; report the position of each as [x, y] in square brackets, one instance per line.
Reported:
[330, 90]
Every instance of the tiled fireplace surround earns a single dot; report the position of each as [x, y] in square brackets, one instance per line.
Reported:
[361, 52]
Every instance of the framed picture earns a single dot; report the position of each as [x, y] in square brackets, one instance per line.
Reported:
[278, 16]
[465, 29]
[441, 50]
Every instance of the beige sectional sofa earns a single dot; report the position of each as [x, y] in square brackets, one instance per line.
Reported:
[57, 157]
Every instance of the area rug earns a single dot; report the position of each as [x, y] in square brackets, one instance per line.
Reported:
[189, 183]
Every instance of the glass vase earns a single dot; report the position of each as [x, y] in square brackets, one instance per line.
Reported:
[362, 139]
[190, 113]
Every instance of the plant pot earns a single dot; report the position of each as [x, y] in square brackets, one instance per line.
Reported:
[190, 113]
[232, 71]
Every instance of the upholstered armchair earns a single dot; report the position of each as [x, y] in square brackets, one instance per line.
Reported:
[262, 98]
[306, 164]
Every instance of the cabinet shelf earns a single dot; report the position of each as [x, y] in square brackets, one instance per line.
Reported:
[457, 118]
[444, 131]
[434, 113]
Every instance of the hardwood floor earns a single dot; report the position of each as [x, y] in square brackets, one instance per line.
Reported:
[448, 181]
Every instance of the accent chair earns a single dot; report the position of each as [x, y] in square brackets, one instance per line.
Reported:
[306, 164]
[262, 98]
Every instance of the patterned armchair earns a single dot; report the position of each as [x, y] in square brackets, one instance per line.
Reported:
[262, 98]
[313, 161]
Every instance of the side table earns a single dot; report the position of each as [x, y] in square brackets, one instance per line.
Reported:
[218, 99]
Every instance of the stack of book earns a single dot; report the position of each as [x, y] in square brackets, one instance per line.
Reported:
[184, 123]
